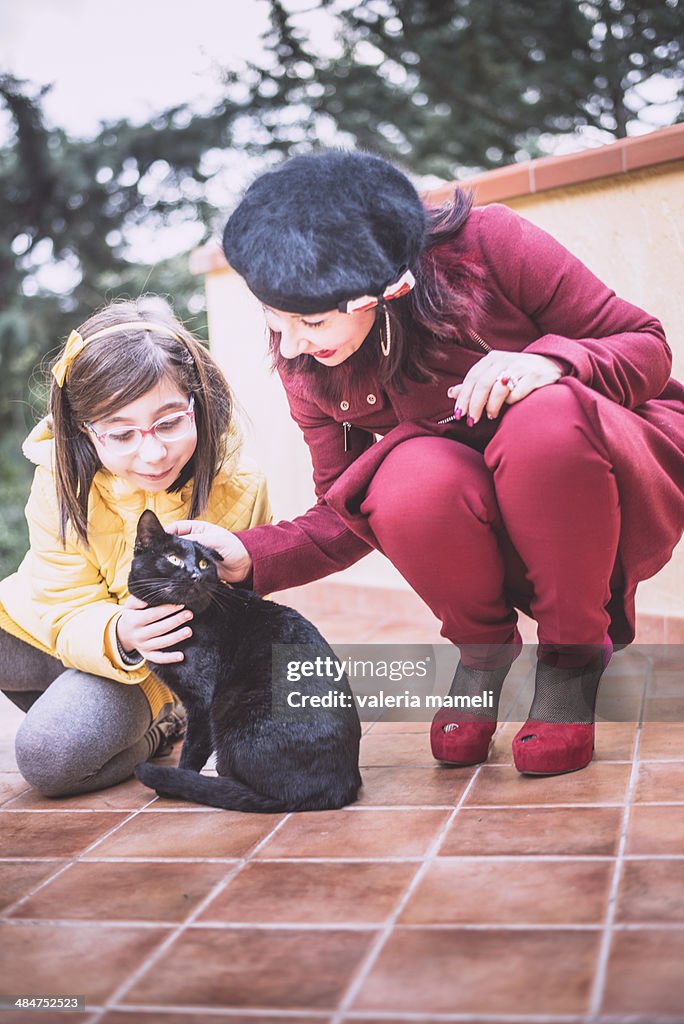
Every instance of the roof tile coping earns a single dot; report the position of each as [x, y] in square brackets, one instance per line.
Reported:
[532, 176]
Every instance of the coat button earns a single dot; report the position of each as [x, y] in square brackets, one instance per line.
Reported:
[344, 406]
[371, 399]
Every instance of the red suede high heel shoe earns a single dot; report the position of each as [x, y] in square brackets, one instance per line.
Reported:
[555, 748]
[463, 737]
[460, 742]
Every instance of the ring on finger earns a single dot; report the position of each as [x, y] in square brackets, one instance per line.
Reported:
[508, 381]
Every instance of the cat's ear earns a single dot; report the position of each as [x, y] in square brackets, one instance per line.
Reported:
[149, 530]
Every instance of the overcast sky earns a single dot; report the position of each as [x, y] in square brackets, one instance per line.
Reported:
[132, 59]
[129, 58]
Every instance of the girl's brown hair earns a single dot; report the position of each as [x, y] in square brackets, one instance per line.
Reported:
[118, 369]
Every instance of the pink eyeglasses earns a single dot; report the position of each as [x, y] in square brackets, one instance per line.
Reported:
[126, 440]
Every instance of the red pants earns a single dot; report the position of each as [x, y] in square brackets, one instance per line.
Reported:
[532, 522]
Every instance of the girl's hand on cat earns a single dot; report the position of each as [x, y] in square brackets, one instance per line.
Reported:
[151, 630]
[237, 562]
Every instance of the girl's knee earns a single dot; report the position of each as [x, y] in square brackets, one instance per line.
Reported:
[74, 732]
[43, 760]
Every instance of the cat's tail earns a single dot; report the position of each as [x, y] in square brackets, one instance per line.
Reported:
[206, 789]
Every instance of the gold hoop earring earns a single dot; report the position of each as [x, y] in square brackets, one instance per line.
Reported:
[386, 343]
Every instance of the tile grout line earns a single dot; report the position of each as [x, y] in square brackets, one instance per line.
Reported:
[493, 858]
[356, 926]
[81, 810]
[70, 862]
[224, 1014]
[364, 970]
[363, 808]
[179, 929]
[465, 1018]
[532, 858]
[380, 1016]
[15, 796]
[227, 1014]
[599, 985]
[489, 858]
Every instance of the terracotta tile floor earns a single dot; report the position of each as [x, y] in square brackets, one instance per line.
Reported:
[465, 895]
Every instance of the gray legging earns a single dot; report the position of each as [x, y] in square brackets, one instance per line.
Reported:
[81, 732]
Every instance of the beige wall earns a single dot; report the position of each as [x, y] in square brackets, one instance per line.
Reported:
[628, 229]
[238, 341]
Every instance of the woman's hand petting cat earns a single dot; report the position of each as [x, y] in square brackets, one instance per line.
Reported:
[151, 630]
[237, 562]
[486, 388]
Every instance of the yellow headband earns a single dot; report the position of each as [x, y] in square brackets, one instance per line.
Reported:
[75, 344]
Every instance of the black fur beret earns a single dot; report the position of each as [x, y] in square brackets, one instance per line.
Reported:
[322, 229]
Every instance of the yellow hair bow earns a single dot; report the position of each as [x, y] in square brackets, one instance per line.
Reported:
[74, 345]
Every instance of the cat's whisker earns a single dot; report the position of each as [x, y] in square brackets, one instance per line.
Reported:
[146, 591]
[216, 602]
[223, 597]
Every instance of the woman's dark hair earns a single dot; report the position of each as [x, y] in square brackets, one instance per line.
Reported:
[119, 368]
[442, 307]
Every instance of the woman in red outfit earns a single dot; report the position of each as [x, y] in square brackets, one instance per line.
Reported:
[532, 444]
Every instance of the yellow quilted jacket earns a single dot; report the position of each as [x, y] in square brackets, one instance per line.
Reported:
[66, 600]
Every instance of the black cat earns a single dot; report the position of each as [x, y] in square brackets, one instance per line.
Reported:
[266, 761]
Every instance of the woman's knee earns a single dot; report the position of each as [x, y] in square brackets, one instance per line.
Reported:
[547, 428]
[429, 482]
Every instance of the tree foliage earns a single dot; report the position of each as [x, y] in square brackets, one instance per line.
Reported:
[444, 84]
[67, 209]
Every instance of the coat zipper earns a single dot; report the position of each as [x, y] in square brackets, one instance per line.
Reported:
[346, 426]
[483, 344]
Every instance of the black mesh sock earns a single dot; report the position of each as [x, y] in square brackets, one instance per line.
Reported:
[566, 695]
[479, 682]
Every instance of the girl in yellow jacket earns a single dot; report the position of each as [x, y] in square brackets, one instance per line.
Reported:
[140, 417]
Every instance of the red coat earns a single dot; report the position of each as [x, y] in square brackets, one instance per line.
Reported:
[540, 299]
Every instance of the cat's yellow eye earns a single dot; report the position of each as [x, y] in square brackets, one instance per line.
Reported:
[175, 560]
[203, 564]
